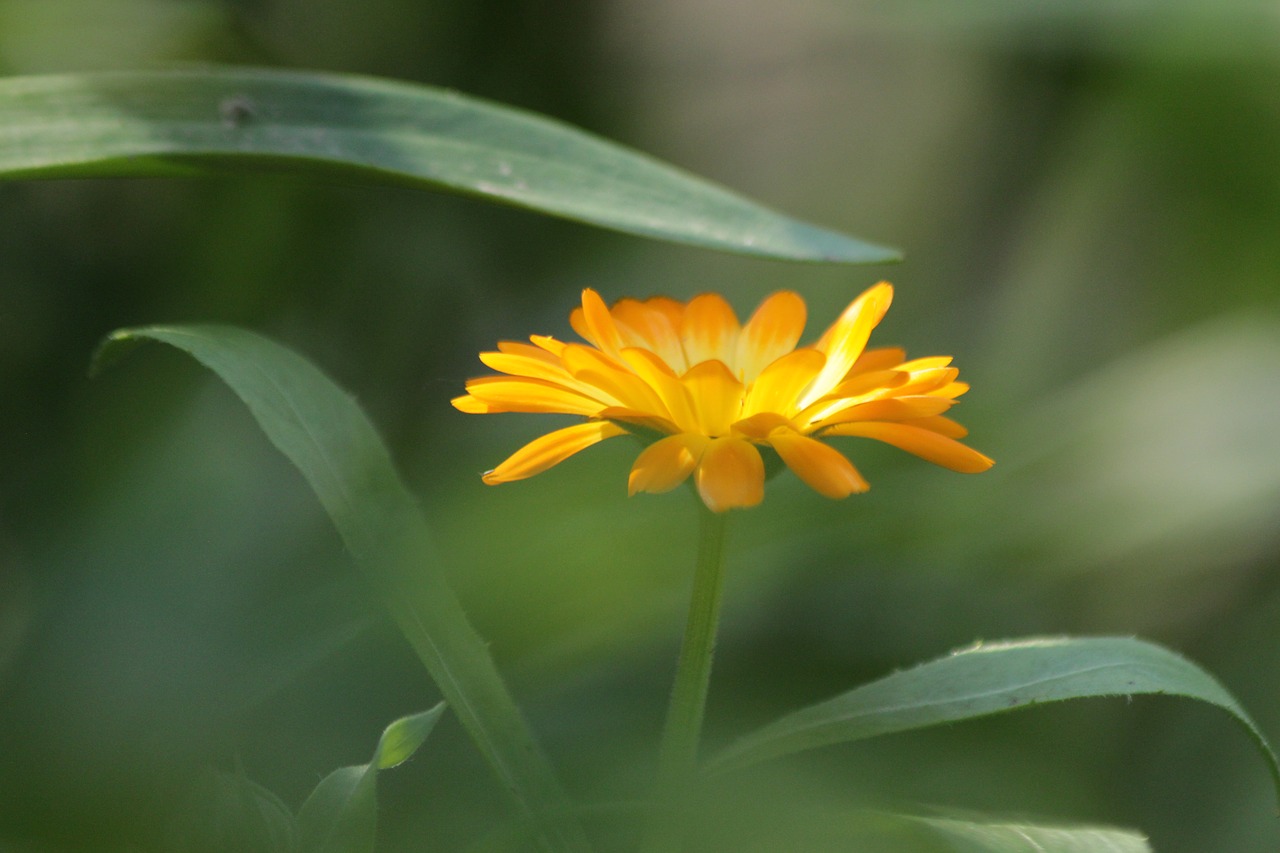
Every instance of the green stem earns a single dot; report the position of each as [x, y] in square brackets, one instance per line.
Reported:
[678, 757]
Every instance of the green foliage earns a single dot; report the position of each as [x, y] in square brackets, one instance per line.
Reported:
[975, 836]
[341, 815]
[192, 122]
[992, 678]
[326, 435]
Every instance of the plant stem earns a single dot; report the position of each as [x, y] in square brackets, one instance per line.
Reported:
[678, 756]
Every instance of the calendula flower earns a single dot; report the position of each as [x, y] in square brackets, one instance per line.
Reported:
[708, 393]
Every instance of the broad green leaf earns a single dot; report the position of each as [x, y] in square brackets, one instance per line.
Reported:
[981, 836]
[327, 436]
[193, 121]
[341, 815]
[991, 678]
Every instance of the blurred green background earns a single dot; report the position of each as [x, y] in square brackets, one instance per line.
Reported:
[1088, 194]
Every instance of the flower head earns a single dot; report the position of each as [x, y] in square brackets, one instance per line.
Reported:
[708, 393]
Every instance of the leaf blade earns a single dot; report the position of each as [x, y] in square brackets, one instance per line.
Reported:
[326, 435]
[186, 121]
[990, 679]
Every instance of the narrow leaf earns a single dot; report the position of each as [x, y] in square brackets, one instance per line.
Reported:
[341, 815]
[189, 121]
[986, 679]
[977, 836]
[327, 436]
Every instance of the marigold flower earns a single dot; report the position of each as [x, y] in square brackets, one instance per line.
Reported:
[710, 392]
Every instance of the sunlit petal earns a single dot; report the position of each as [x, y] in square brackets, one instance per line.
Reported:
[597, 324]
[844, 342]
[926, 444]
[650, 325]
[780, 384]
[716, 394]
[772, 332]
[551, 449]
[709, 330]
[589, 366]
[730, 474]
[666, 463]
[517, 394]
[819, 465]
[891, 409]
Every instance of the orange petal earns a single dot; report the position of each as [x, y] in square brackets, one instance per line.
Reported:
[821, 466]
[778, 387]
[730, 474]
[518, 394]
[925, 443]
[666, 463]
[470, 405]
[942, 426]
[844, 342]
[929, 380]
[647, 325]
[771, 333]
[709, 330]
[716, 395]
[551, 449]
[880, 358]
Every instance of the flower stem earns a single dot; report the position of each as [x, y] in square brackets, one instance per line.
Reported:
[678, 756]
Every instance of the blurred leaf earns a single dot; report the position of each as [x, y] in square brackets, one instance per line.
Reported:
[341, 815]
[978, 836]
[327, 436]
[226, 811]
[187, 122]
[991, 678]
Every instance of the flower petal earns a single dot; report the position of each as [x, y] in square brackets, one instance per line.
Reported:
[716, 395]
[730, 474]
[666, 463]
[653, 325]
[551, 449]
[890, 409]
[596, 325]
[927, 444]
[518, 394]
[779, 385]
[657, 374]
[771, 333]
[590, 367]
[709, 330]
[844, 342]
[821, 466]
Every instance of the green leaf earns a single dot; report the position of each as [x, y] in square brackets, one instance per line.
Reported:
[341, 815]
[980, 836]
[326, 435]
[192, 121]
[991, 678]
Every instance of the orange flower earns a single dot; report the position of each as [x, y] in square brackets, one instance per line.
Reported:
[710, 392]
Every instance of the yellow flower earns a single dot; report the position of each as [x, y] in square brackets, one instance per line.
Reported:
[710, 392]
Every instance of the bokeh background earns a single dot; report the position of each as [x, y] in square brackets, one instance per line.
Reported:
[1088, 196]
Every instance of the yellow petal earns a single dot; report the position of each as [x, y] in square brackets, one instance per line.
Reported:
[891, 409]
[844, 342]
[709, 330]
[928, 380]
[771, 333]
[942, 426]
[925, 443]
[518, 394]
[821, 466]
[657, 374]
[730, 474]
[522, 364]
[880, 358]
[666, 463]
[596, 325]
[758, 426]
[470, 405]
[716, 395]
[551, 449]
[593, 368]
[778, 387]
